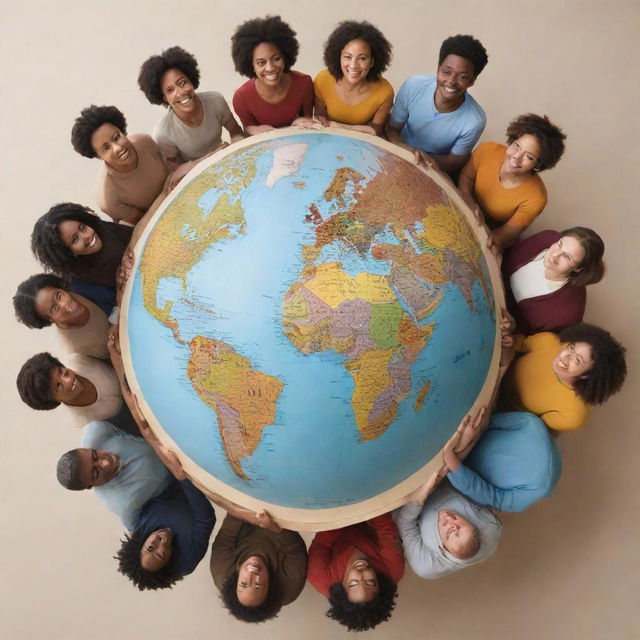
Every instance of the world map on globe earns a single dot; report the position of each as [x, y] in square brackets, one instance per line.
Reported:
[309, 318]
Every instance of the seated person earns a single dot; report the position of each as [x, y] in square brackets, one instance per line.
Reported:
[504, 181]
[546, 275]
[43, 300]
[122, 469]
[90, 389]
[446, 533]
[351, 91]
[256, 569]
[358, 568]
[134, 170]
[170, 537]
[191, 128]
[264, 50]
[560, 377]
[71, 239]
[435, 113]
[513, 465]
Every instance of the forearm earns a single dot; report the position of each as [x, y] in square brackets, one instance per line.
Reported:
[505, 235]
[394, 135]
[449, 162]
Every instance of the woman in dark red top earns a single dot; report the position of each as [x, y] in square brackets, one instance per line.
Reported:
[264, 50]
[546, 275]
[358, 568]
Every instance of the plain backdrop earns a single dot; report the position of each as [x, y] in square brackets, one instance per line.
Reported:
[567, 568]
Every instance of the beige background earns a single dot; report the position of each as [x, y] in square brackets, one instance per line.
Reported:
[570, 566]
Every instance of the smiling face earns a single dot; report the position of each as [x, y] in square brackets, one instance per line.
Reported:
[455, 76]
[522, 155]
[268, 64]
[66, 386]
[156, 550]
[456, 533]
[253, 582]
[573, 361]
[97, 467]
[563, 258]
[113, 146]
[360, 580]
[178, 92]
[60, 307]
[356, 61]
[79, 238]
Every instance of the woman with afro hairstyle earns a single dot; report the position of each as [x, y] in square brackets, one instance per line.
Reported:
[560, 377]
[191, 128]
[546, 276]
[134, 171]
[503, 181]
[264, 50]
[71, 239]
[350, 92]
[358, 568]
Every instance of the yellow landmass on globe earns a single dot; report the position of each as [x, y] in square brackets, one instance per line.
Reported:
[244, 399]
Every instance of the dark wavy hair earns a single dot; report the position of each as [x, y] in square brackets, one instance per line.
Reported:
[465, 47]
[350, 30]
[548, 135]
[128, 557]
[609, 370]
[362, 616]
[89, 121]
[152, 70]
[261, 613]
[47, 245]
[591, 268]
[68, 471]
[253, 32]
[24, 300]
[33, 381]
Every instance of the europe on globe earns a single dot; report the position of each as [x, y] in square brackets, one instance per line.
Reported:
[309, 318]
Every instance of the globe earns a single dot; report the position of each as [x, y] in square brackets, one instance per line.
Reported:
[310, 317]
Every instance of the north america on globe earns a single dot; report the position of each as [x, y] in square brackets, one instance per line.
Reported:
[309, 317]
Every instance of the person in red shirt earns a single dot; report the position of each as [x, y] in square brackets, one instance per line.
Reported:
[358, 568]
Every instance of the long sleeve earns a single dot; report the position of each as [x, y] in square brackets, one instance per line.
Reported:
[204, 518]
[293, 569]
[390, 546]
[223, 550]
[318, 569]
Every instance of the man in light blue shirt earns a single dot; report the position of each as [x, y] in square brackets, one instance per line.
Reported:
[435, 113]
[124, 471]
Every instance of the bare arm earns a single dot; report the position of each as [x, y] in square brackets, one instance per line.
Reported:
[394, 134]
[450, 162]
[466, 182]
[504, 236]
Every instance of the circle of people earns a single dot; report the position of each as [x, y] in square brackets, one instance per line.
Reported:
[555, 367]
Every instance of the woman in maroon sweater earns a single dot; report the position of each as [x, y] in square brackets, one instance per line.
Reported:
[546, 275]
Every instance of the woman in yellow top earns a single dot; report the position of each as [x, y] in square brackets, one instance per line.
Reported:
[350, 92]
[559, 377]
[503, 180]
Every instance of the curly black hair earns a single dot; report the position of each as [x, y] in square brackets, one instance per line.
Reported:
[548, 135]
[361, 616]
[609, 370]
[261, 613]
[152, 70]
[24, 300]
[253, 32]
[33, 381]
[47, 245]
[350, 30]
[128, 557]
[591, 269]
[68, 471]
[465, 47]
[89, 121]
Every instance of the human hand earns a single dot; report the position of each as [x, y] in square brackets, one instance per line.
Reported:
[172, 462]
[220, 147]
[266, 521]
[423, 159]
[424, 490]
[507, 323]
[307, 123]
[113, 347]
[449, 457]
[470, 430]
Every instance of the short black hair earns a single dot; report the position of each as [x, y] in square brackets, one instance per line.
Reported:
[350, 30]
[466, 47]
[609, 370]
[362, 616]
[591, 268]
[128, 557]
[253, 32]
[261, 613]
[152, 70]
[68, 471]
[46, 244]
[548, 135]
[24, 300]
[89, 121]
[34, 381]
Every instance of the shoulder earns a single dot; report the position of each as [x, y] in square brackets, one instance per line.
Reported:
[246, 89]
[300, 78]
[489, 150]
[324, 78]
[419, 82]
[473, 111]
[384, 89]
[160, 127]
[98, 431]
